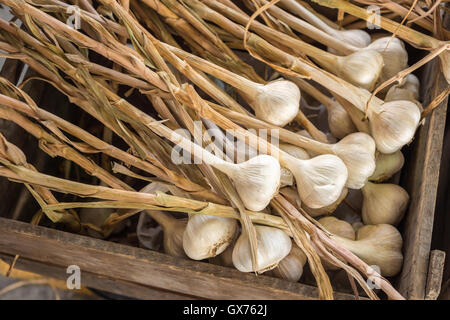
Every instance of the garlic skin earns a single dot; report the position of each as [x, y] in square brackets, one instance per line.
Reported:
[338, 227]
[339, 120]
[387, 165]
[357, 150]
[393, 124]
[320, 180]
[361, 68]
[207, 236]
[276, 102]
[379, 245]
[256, 180]
[291, 267]
[356, 37]
[173, 238]
[273, 245]
[328, 209]
[395, 56]
[286, 178]
[383, 203]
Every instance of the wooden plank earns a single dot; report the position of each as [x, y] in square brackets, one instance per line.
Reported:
[422, 175]
[95, 281]
[148, 268]
[435, 272]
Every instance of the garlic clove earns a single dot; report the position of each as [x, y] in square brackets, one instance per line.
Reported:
[338, 227]
[273, 245]
[328, 209]
[387, 165]
[320, 180]
[393, 124]
[383, 203]
[339, 120]
[357, 150]
[362, 68]
[291, 267]
[256, 180]
[277, 102]
[207, 236]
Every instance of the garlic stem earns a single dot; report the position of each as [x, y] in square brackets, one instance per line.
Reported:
[361, 68]
[357, 38]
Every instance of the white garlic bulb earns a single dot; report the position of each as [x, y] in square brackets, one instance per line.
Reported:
[339, 120]
[207, 236]
[256, 180]
[287, 179]
[361, 68]
[357, 150]
[328, 209]
[276, 102]
[383, 203]
[395, 56]
[393, 124]
[387, 165]
[407, 90]
[379, 245]
[291, 267]
[273, 245]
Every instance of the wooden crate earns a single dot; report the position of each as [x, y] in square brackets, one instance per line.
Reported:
[146, 274]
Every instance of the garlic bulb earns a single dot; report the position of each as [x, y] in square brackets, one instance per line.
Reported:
[357, 151]
[393, 124]
[173, 238]
[395, 56]
[407, 90]
[276, 102]
[273, 245]
[320, 180]
[387, 165]
[256, 180]
[339, 120]
[225, 259]
[328, 209]
[379, 245]
[357, 225]
[286, 178]
[207, 236]
[362, 68]
[291, 267]
[338, 227]
[383, 203]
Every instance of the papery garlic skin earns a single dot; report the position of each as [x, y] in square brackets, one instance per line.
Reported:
[287, 178]
[362, 68]
[291, 267]
[339, 120]
[357, 150]
[256, 180]
[356, 37]
[320, 180]
[387, 165]
[277, 102]
[379, 245]
[207, 236]
[273, 245]
[393, 124]
[383, 203]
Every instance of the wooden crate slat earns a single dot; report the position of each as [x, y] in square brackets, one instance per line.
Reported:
[144, 266]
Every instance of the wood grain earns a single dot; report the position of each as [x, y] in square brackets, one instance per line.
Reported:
[435, 272]
[145, 267]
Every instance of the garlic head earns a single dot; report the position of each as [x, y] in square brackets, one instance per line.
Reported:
[393, 124]
[277, 102]
[173, 238]
[291, 267]
[357, 150]
[383, 203]
[339, 120]
[273, 245]
[207, 236]
[386, 165]
[338, 227]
